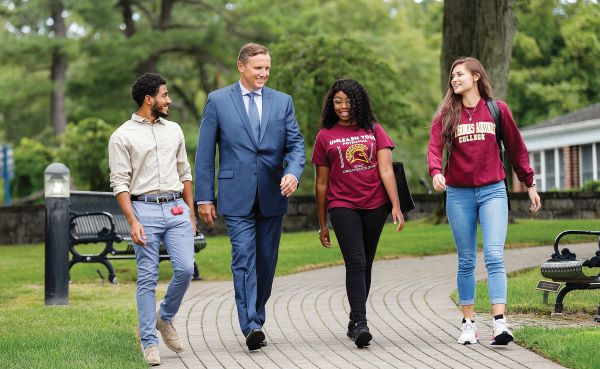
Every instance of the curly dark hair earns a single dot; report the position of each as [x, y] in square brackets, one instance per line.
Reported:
[360, 105]
[146, 84]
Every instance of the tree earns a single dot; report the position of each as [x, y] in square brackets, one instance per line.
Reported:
[556, 60]
[58, 73]
[484, 30]
[35, 51]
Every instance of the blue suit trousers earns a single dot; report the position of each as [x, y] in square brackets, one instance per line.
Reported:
[254, 250]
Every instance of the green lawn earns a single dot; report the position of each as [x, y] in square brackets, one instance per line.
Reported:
[571, 347]
[97, 328]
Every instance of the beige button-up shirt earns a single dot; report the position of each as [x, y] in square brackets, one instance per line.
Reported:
[148, 158]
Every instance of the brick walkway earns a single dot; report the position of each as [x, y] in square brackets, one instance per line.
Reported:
[413, 321]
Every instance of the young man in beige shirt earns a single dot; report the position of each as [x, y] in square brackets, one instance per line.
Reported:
[152, 182]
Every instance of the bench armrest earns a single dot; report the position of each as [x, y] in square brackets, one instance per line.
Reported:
[562, 234]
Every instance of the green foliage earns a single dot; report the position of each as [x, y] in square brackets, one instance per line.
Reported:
[31, 157]
[84, 151]
[556, 59]
[591, 185]
[82, 148]
[25, 104]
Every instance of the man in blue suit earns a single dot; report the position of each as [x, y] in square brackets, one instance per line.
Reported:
[261, 158]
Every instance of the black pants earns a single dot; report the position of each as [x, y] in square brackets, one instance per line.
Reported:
[358, 232]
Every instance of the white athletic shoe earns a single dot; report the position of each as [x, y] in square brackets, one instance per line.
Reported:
[469, 333]
[501, 334]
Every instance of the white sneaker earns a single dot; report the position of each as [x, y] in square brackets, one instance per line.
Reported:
[501, 334]
[469, 333]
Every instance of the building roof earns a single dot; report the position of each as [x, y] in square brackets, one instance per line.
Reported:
[589, 113]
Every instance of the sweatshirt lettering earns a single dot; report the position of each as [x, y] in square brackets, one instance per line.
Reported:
[474, 131]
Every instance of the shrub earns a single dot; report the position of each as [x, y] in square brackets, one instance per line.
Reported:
[31, 157]
[84, 149]
[592, 186]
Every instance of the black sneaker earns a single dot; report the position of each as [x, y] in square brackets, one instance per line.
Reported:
[254, 339]
[361, 336]
[351, 326]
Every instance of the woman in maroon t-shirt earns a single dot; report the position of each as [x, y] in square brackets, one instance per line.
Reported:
[356, 183]
[473, 179]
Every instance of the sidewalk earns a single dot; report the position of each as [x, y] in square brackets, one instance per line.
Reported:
[413, 321]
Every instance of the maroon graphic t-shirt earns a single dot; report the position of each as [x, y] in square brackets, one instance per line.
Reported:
[350, 153]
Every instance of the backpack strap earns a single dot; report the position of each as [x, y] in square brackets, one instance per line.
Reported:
[492, 106]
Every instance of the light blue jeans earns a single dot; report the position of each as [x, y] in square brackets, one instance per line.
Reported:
[464, 207]
[177, 234]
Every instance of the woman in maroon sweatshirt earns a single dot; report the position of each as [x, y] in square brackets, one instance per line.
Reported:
[474, 180]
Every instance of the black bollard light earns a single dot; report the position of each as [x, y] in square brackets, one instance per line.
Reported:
[56, 188]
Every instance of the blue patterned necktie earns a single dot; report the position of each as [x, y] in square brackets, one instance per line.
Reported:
[254, 116]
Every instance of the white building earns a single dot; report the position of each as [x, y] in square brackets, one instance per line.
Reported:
[564, 151]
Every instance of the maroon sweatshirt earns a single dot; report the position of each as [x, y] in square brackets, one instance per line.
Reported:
[474, 160]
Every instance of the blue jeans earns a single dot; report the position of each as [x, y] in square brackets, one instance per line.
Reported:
[177, 234]
[464, 207]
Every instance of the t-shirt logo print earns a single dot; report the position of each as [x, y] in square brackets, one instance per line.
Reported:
[357, 152]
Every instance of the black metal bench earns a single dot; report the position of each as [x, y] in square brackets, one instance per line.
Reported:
[564, 267]
[97, 218]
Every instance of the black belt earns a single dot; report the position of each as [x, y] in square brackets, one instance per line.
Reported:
[159, 199]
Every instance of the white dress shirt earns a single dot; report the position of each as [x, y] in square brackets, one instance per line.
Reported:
[148, 158]
[257, 99]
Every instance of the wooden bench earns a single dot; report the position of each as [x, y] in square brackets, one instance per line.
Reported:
[97, 218]
[564, 267]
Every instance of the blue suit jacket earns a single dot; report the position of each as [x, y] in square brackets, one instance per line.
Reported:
[247, 166]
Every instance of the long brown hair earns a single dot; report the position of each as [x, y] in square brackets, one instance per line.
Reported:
[448, 112]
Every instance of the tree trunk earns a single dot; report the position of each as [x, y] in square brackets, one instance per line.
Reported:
[59, 70]
[148, 65]
[127, 14]
[484, 30]
[163, 22]
[166, 10]
[207, 81]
